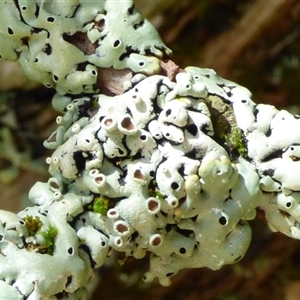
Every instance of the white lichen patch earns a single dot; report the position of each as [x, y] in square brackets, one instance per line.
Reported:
[173, 189]
[40, 33]
[47, 263]
[150, 170]
[144, 171]
[273, 145]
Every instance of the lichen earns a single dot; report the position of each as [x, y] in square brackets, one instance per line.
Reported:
[42, 42]
[160, 165]
[149, 170]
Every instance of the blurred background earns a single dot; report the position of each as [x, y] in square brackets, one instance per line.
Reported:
[255, 43]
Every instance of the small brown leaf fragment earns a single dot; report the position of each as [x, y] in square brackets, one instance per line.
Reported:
[110, 81]
[169, 69]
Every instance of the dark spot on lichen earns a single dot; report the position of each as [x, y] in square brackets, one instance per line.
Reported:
[192, 129]
[48, 49]
[273, 155]
[174, 185]
[51, 19]
[136, 26]
[182, 250]
[117, 43]
[223, 220]
[80, 159]
[10, 31]
[69, 280]
[168, 112]
[238, 258]
[131, 9]
[127, 52]
[62, 295]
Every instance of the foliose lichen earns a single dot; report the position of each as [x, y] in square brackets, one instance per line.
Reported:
[156, 157]
[39, 35]
[175, 168]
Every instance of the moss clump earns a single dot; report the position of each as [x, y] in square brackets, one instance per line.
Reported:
[33, 224]
[153, 190]
[49, 236]
[94, 104]
[227, 133]
[235, 141]
[101, 205]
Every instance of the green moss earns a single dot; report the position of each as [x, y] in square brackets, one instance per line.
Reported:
[153, 190]
[101, 205]
[33, 224]
[49, 236]
[235, 141]
[94, 104]
[225, 127]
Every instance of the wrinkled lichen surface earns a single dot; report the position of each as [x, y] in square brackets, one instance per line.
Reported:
[174, 168]
[38, 34]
